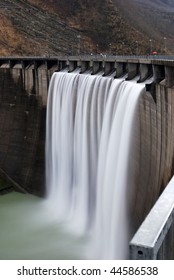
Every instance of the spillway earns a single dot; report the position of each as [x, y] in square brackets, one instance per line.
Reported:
[90, 121]
[22, 123]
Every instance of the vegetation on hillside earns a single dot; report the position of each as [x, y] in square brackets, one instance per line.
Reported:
[11, 41]
[55, 27]
[102, 22]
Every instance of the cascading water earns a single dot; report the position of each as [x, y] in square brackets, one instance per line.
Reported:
[89, 123]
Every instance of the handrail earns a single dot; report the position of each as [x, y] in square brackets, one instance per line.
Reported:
[93, 56]
[152, 234]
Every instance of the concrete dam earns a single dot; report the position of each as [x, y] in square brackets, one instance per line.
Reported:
[23, 93]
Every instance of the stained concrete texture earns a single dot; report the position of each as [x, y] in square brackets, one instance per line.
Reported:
[154, 149]
[21, 132]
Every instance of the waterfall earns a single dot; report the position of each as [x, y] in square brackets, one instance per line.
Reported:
[88, 141]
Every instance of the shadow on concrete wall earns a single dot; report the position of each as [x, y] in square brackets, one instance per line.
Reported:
[22, 132]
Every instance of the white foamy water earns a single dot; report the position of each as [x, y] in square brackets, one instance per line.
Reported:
[89, 124]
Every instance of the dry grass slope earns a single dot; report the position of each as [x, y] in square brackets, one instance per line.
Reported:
[51, 27]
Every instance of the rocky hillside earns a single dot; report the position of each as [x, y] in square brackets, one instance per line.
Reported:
[26, 29]
[154, 19]
[55, 27]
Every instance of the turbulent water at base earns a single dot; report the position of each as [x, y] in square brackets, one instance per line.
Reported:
[88, 141]
[29, 232]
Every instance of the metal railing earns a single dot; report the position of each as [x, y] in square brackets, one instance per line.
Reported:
[92, 56]
[155, 237]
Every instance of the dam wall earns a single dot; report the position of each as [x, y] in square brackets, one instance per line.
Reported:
[23, 96]
[154, 149]
[21, 132]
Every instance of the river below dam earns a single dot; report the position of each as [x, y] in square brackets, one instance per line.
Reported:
[30, 231]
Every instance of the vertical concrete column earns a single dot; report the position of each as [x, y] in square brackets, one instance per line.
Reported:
[120, 69]
[108, 67]
[23, 73]
[158, 73]
[29, 79]
[78, 63]
[72, 65]
[145, 71]
[62, 64]
[95, 66]
[36, 77]
[84, 66]
[133, 70]
[11, 63]
[46, 64]
[42, 73]
[151, 88]
[169, 76]
[168, 114]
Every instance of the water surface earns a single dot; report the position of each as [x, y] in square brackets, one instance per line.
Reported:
[28, 230]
